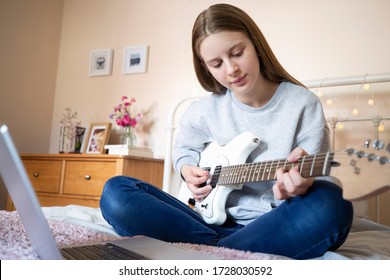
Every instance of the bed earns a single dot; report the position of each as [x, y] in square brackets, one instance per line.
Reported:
[74, 224]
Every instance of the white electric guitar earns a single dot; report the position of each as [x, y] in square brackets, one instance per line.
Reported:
[362, 173]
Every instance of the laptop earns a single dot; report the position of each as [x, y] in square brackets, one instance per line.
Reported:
[37, 228]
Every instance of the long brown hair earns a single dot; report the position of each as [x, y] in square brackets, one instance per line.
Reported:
[225, 17]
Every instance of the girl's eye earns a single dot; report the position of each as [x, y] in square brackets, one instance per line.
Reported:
[217, 65]
[238, 54]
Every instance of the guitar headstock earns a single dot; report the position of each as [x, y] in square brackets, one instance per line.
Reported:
[376, 153]
[363, 171]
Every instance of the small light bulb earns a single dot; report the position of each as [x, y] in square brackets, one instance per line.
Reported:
[370, 102]
[355, 112]
[381, 128]
[320, 94]
[340, 126]
[366, 86]
[329, 102]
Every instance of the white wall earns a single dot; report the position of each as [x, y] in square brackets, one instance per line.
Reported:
[312, 39]
[29, 48]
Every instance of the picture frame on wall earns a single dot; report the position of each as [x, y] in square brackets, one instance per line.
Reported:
[135, 59]
[97, 136]
[100, 62]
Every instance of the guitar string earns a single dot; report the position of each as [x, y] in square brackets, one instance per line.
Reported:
[230, 174]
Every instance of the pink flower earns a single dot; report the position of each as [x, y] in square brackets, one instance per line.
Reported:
[122, 114]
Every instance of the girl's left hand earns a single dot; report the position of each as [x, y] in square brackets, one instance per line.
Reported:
[291, 183]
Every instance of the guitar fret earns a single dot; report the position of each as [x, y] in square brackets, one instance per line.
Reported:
[252, 173]
[312, 166]
[259, 171]
[255, 171]
[244, 172]
[236, 174]
[233, 175]
[302, 164]
[274, 171]
[264, 170]
[283, 165]
[324, 170]
[250, 168]
[308, 166]
[223, 175]
[226, 174]
[269, 170]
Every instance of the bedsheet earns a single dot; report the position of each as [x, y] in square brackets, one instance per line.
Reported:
[75, 224]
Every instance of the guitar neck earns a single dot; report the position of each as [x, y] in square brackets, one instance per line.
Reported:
[308, 166]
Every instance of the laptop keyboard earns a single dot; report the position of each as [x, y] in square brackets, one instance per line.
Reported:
[106, 251]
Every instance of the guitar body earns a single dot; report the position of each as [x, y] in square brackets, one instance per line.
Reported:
[235, 152]
[362, 172]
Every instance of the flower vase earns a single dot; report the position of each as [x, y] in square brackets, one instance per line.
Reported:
[67, 140]
[128, 138]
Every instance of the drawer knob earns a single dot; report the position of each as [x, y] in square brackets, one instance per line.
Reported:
[35, 174]
[87, 177]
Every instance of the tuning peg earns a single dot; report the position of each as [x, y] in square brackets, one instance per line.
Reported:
[384, 160]
[378, 145]
[367, 143]
[350, 151]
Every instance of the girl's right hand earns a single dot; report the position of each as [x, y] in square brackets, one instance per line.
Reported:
[195, 177]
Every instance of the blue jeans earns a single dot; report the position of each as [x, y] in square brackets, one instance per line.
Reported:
[302, 227]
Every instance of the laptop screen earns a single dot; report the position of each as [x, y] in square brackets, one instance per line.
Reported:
[23, 196]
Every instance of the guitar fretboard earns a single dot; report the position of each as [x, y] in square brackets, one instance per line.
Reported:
[308, 166]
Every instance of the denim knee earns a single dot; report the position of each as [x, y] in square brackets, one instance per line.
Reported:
[110, 200]
[334, 213]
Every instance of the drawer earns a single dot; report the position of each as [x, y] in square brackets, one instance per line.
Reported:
[45, 175]
[87, 178]
[64, 200]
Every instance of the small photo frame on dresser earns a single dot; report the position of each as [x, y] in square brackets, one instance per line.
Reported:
[97, 136]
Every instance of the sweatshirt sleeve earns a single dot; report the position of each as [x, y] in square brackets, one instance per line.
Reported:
[191, 137]
[313, 130]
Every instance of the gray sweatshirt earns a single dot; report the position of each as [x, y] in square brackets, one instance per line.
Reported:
[293, 117]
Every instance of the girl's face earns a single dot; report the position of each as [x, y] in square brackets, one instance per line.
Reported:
[232, 60]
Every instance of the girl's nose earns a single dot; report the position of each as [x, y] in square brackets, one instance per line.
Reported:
[232, 69]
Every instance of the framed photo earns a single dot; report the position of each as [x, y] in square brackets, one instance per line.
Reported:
[135, 59]
[97, 136]
[100, 62]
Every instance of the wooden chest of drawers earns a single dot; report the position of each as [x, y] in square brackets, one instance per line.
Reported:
[63, 179]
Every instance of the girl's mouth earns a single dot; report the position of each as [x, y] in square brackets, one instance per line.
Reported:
[239, 81]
